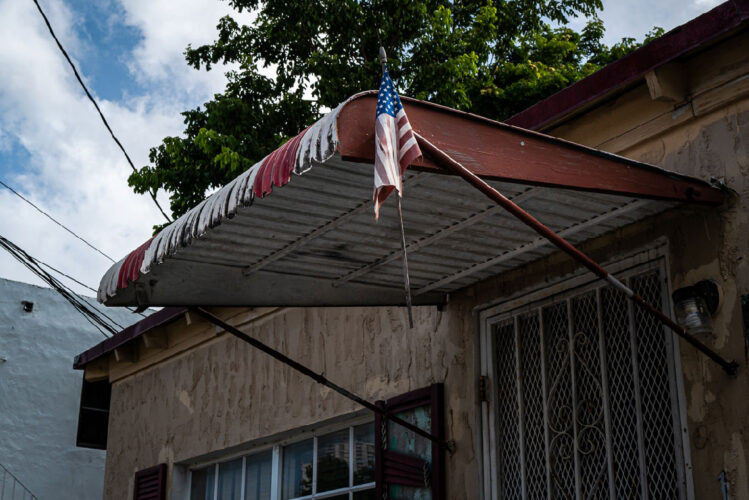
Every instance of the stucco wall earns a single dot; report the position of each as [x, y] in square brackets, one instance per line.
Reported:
[715, 245]
[704, 244]
[222, 393]
[39, 393]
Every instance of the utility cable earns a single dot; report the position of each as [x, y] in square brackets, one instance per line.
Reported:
[86, 286]
[95, 317]
[34, 266]
[69, 231]
[66, 275]
[55, 220]
[93, 101]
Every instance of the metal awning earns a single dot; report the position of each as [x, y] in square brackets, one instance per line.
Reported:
[270, 238]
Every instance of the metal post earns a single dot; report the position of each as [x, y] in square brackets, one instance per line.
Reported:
[406, 280]
[445, 161]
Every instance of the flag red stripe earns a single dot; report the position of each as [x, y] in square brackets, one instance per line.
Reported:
[395, 149]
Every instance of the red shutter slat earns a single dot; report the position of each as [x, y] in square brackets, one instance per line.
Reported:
[150, 483]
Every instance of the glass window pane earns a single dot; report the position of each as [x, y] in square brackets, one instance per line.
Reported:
[404, 441]
[230, 480]
[407, 442]
[258, 476]
[409, 492]
[364, 450]
[297, 470]
[201, 483]
[365, 495]
[332, 461]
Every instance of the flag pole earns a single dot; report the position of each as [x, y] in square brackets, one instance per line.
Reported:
[406, 279]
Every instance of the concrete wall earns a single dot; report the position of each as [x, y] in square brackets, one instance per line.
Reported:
[222, 394]
[39, 393]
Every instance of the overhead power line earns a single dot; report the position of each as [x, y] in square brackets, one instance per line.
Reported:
[55, 220]
[97, 318]
[93, 101]
[86, 286]
[90, 245]
[67, 276]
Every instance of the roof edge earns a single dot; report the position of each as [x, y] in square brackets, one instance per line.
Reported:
[132, 332]
[709, 26]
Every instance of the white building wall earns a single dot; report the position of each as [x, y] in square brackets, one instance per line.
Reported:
[40, 391]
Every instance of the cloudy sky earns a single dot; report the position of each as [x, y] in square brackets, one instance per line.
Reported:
[55, 150]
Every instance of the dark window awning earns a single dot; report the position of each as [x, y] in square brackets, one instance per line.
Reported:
[270, 238]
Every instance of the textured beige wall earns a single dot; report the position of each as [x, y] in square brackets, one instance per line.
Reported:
[715, 245]
[223, 393]
[704, 244]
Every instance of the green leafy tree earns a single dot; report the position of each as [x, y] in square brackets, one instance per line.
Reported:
[492, 58]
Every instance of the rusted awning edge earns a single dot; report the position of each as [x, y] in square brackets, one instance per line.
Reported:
[504, 152]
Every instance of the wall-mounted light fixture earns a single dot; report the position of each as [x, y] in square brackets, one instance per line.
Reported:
[695, 305]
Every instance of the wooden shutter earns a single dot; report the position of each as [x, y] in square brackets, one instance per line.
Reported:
[150, 484]
[403, 459]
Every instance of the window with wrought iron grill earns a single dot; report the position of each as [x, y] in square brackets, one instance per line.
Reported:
[586, 401]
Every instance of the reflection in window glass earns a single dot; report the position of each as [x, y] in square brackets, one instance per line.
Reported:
[409, 492]
[297, 470]
[332, 465]
[230, 480]
[407, 442]
[258, 476]
[201, 483]
[364, 451]
[332, 461]
[365, 495]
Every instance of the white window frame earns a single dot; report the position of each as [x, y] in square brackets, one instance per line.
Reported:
[277, 446]
[487, 317]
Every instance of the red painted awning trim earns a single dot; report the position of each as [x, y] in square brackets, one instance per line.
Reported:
[490, 149]
[130, 269]
[277, 167]
[274, 170]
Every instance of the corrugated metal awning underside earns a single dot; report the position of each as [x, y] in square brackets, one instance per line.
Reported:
[298, 228]
[315, 241]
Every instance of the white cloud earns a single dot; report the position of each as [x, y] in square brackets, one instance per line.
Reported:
[707, 3]
[167, 29]
[635, 18]
[75, 171]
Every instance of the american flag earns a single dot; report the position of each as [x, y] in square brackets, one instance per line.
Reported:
[395, 144]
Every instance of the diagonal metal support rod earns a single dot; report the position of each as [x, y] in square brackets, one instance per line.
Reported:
[537, 243]
[444, 160]
[319, 378]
